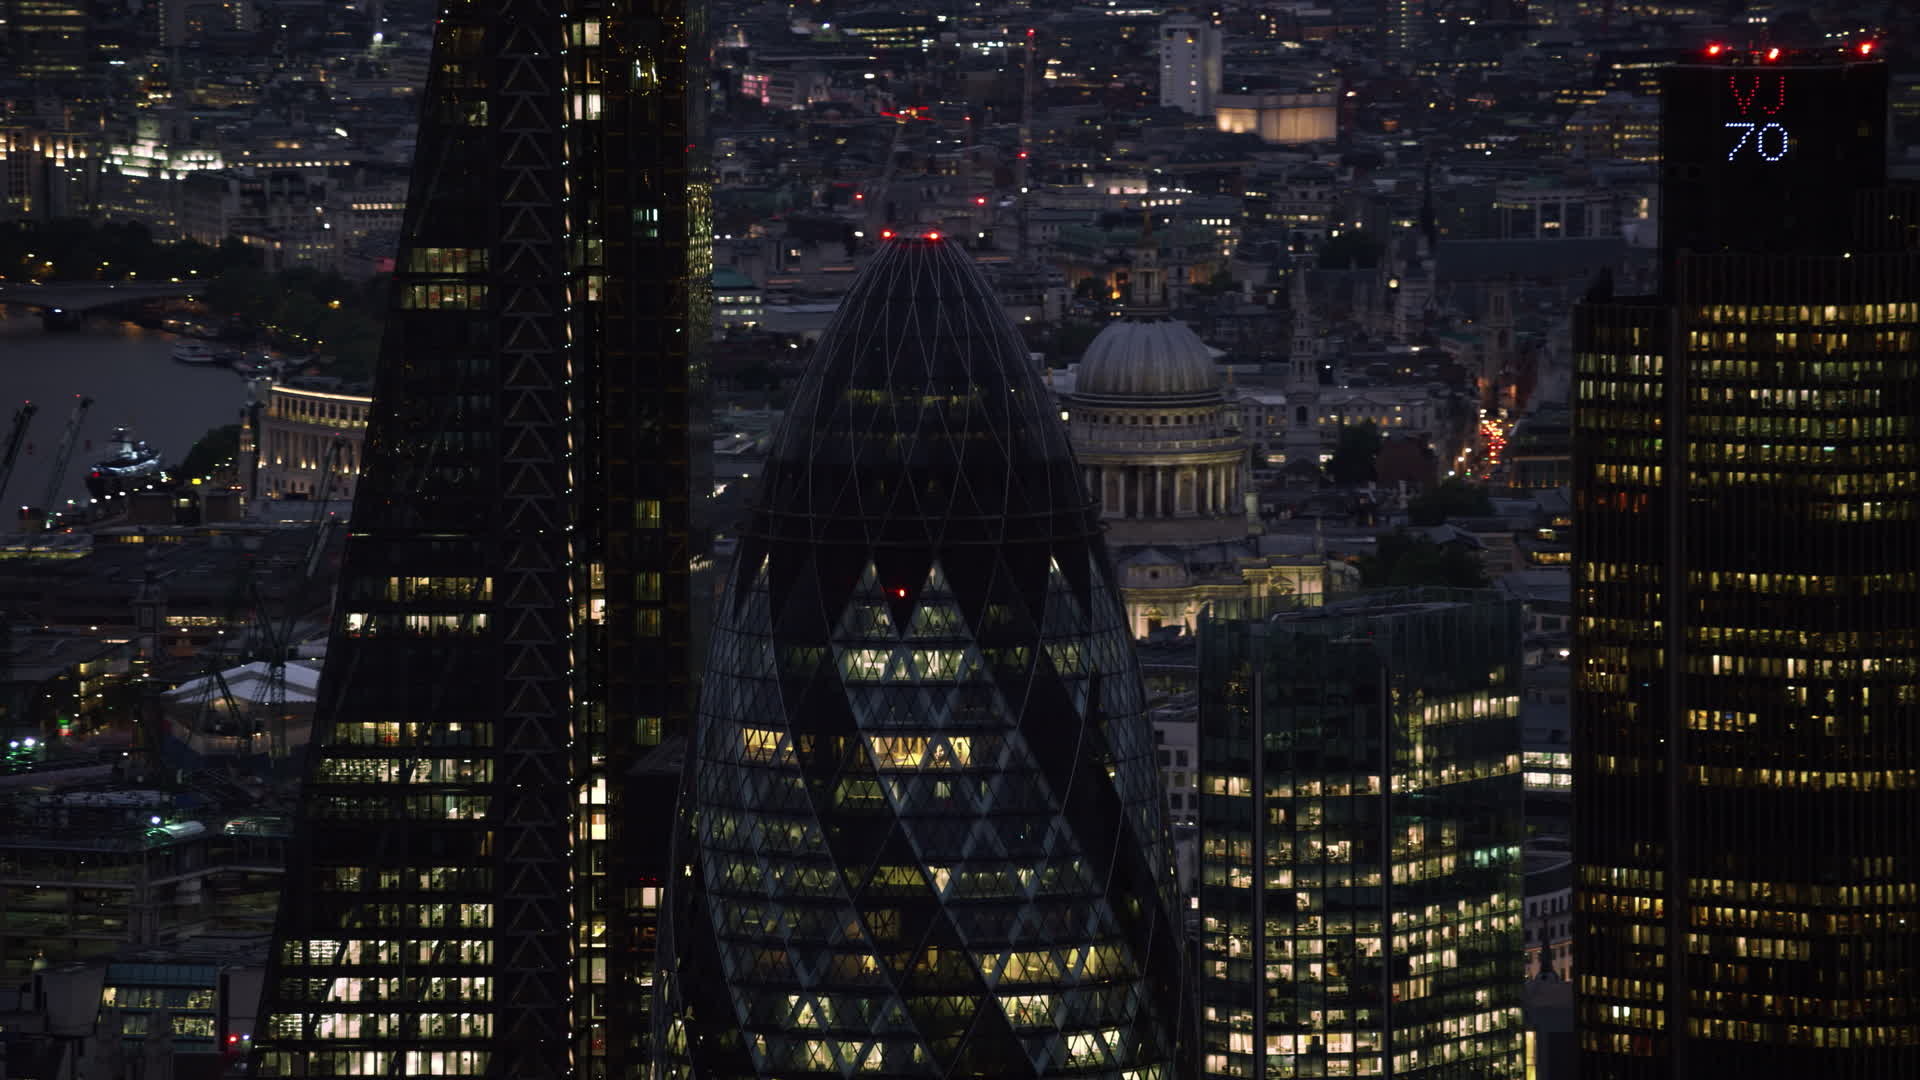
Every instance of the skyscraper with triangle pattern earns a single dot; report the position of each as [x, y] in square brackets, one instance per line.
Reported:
[924, 833]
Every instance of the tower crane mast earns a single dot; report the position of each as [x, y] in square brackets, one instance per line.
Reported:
[16, 437]
[61, 458]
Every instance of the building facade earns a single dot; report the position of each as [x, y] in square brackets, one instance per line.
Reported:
[1361, 829]
[1190, 52]
[923, 834]
[1747, 598]
[305, 434]
[516, 610]
[1162, 445]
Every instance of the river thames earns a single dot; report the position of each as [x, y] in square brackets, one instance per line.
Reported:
[129, 373]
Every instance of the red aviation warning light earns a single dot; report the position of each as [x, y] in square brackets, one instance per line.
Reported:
[1716, 49]
[901, 593]
[979, 200]
[1773, 54]
[933, 236]
[1866, 48]
[886, 234]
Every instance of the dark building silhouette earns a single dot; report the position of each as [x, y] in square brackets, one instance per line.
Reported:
[1360, 823]
[924, 833]
[1747, 598]
[465, 895]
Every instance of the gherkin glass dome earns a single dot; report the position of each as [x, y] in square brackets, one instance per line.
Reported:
[922, 832]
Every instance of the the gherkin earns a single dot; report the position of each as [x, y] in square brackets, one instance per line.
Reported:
[922, 832]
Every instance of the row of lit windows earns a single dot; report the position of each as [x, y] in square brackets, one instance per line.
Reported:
[384, 1063]
[325, 953]
[394, 733]
[432, 260]
[1623, 988]
[1632, 363]
[1806, 779]
[1639, 475]
[153, 997]
[1779, 1005]
[463, 624]
[444, 296]
[1782, 340]
[1816, 1035]
[409, 589]
[448, 807]
[1836, 642]
[1806, 427]
[339, 770]
[1863, 400]
[1589, 418]
[1800, 892]
[1804, 584]
[381, 1025]
[1619, 390]
[425, 879]
[1810, 314]
[1830, 454]
[1798, 667]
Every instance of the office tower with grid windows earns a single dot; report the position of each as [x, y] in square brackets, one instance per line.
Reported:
[1747, 596]
[465, 895]
[1360, 828]
[924, 835]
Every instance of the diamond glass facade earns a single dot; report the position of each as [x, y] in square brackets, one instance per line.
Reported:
[924, 831]
[1360, 827]
[1747, 606]
[466, 894]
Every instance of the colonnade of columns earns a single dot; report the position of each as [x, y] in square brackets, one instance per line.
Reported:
[1166, 491]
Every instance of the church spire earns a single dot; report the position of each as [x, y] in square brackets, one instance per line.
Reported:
[1146, 278]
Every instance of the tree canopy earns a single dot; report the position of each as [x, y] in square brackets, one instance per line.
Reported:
[1354, 453]
[1454, 498]
[1404, 558]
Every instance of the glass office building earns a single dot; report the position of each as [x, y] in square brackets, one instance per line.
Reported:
[924, 835]
[1747, 598]
[466, 894]
[1360, 822]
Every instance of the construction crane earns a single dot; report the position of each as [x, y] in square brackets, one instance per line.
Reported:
[16, 437]
[270, 632]
[1023, 152]
[278, 636]
[61, 458]
[877, 209]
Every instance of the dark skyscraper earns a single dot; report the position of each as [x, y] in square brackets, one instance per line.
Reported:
[464, 895]
[1747, 598]
[1360, 826]
[924, 835]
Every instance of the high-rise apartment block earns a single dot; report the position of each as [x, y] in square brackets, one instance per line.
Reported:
[1360, 828]
[924, 833]
[466, 895]
[1747, 596]
[1190, 51]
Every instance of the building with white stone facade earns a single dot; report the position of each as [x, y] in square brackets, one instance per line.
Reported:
[1167, 455]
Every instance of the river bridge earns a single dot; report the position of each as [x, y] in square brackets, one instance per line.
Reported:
[68, 302]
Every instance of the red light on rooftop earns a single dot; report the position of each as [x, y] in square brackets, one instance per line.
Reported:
[231, 1039]
[979, 200]
[1866, 48]
[1773, 54]
[1716, 49]
[859, 197]
[886, 234]
[933, 236]
[901, 593]
[1023, 155]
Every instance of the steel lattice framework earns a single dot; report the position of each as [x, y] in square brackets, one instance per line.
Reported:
[465, 896]
[923, 833]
